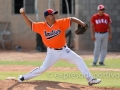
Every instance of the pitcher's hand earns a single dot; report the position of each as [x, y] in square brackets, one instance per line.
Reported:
[22, 10]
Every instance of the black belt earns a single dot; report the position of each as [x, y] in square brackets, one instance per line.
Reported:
[59, 48]
[101, 32]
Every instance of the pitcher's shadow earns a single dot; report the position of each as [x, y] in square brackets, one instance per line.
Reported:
[43, 85]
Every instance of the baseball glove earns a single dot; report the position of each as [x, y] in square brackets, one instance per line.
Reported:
[81, 29]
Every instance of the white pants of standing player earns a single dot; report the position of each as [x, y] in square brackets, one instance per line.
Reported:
[100, 48]
[53, 56]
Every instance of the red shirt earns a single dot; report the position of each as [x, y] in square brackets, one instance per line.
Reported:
[54, 36]
[101, 22]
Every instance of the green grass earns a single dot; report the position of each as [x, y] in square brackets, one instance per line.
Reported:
[25, 63]
[109, 79]
[72, 77]
[110, 63]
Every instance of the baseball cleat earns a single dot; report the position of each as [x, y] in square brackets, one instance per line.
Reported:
[101, 64]
[20, 78]
[94, 64]
[94, 81]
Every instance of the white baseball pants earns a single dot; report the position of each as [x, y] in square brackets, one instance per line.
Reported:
[100, 49]
[53, 56]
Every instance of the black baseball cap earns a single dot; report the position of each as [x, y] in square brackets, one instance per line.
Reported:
[49, 12]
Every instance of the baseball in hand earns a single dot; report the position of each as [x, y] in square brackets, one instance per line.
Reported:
[22, 10]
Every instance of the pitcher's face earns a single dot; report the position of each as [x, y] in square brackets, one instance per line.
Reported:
[51, 18]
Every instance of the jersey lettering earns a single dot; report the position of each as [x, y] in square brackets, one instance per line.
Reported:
[99, 21]
[52, 34]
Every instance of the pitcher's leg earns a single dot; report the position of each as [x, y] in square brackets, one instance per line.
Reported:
[78, 61]
[49, 61]
[104, 48]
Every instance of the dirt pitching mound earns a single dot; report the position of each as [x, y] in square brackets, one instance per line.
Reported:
[46, 85]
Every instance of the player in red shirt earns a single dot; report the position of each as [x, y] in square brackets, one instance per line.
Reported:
[100, 34]
[52, 32]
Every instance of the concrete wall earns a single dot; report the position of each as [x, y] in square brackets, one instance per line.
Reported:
[84, 9]
[21, 33]
[87, 8]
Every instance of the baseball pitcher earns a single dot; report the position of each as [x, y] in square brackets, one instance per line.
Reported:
[52, 32]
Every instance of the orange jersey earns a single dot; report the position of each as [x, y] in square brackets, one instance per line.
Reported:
[52, 36]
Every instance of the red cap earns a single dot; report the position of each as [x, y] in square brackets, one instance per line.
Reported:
[100, 7]
[49, 12]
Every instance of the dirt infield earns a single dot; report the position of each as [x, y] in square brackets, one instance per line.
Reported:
[33, 55]
[44, 85]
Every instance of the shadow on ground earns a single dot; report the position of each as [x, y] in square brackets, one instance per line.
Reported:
[46, 85]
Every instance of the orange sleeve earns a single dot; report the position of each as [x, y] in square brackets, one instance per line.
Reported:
[36, 27]
[64, 23]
